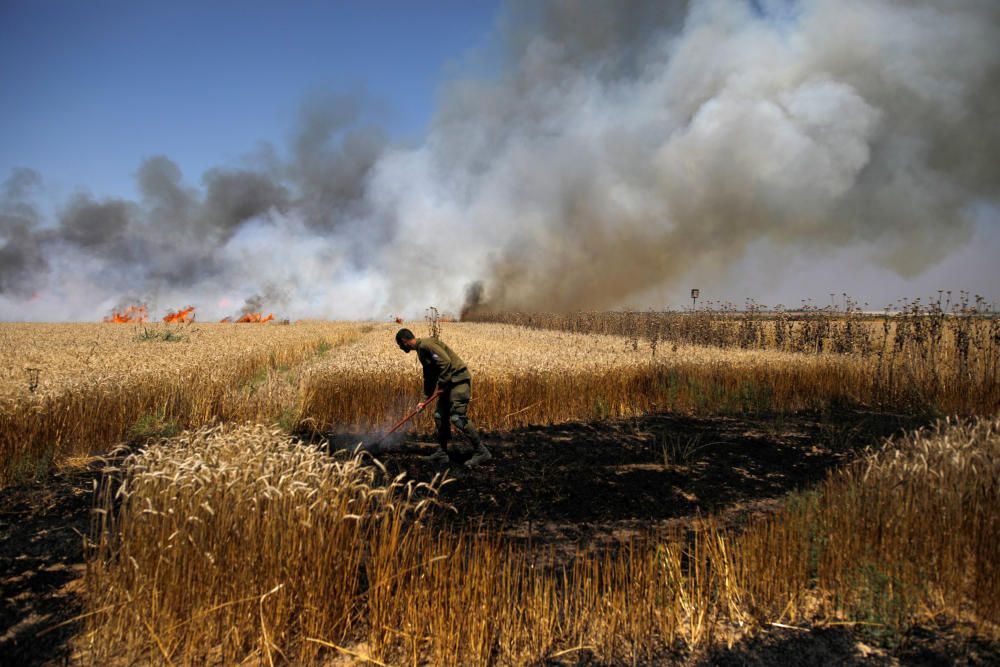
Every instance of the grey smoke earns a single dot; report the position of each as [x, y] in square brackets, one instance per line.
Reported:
[16, 208]
[620, 147]
[235, 196]
[618, 154]
[473, 299]
[21, 254]
[334, 152]
[99, 227]
[176, 235]
[270, 297]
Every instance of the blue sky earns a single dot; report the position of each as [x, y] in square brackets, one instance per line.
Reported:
[91, 88]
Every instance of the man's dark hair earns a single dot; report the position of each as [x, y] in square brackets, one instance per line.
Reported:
[403, 334]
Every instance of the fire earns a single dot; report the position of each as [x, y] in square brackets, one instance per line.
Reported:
[129, 315]
[255, 318]
[185, 316]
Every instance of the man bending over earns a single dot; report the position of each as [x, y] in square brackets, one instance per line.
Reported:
[445, 371]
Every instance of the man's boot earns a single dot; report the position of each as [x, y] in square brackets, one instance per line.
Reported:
[439, 457]
[479, 457]
[480, 454]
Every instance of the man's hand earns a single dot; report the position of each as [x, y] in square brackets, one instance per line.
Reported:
[428, 399]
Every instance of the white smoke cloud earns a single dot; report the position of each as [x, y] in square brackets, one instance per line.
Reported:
[822, 123]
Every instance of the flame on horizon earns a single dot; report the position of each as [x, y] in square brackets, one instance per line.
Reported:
[250, 318]
[185, 316]
[129, 315]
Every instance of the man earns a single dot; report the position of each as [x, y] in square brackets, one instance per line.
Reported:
[444, 371]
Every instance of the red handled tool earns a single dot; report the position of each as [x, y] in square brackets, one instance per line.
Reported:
[405, 419]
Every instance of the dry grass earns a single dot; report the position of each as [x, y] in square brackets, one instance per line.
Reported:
[967, 326]
[523, 376]
[223, 543]
[942, 356]
[97, 384]
[527, 376]
[905, 533]
[919, 523]
[228, 545]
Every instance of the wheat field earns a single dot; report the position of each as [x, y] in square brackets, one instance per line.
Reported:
[220, 537]
[527, 376]
[229, 545]
[71, 389]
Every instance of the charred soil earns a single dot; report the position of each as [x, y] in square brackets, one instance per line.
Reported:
[589, 484]
[42, 527]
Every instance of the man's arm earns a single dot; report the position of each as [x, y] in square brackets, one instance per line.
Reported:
[429, 383]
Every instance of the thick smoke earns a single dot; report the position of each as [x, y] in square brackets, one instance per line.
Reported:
[268, 229]
[473, 299]
[620, 147]
[333, 156]
[617, 155]
[271, 297]
[20, 253]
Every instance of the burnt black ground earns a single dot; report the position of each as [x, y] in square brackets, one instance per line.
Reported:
[937, 643]
[41, 565]
[581, 483]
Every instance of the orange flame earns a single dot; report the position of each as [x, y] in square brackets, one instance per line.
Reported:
[130, 314]
[255, 318]
[185, 316]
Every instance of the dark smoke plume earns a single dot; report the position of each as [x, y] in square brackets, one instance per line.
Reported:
[21, 255]
[333, 153]
[100, 228]
[270, 298]
[473, 299]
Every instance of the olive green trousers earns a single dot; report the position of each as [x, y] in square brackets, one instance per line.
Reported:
[452, 408]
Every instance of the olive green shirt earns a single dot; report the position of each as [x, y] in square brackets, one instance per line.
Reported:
[441, 365]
